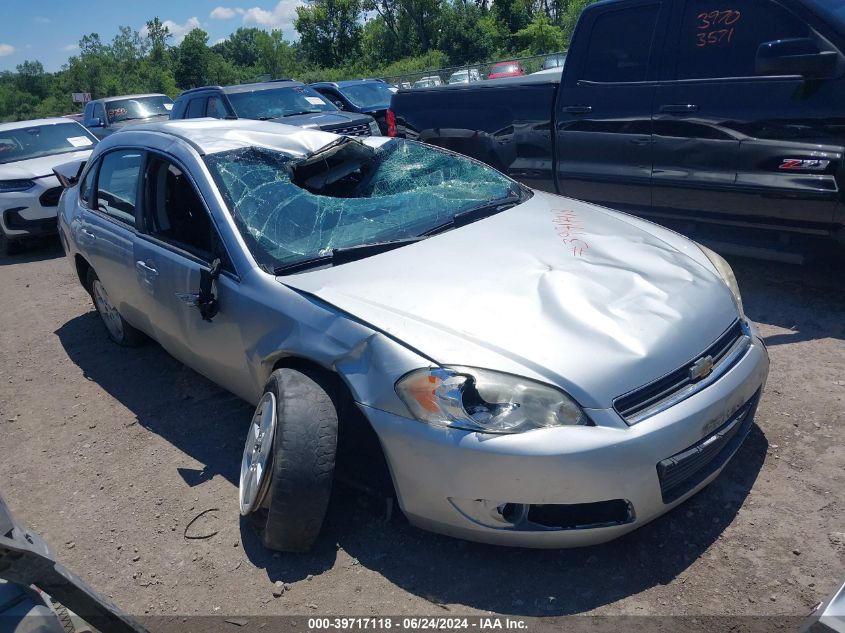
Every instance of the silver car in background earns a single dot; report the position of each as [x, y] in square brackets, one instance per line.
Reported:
[538, 371]
[29, 192]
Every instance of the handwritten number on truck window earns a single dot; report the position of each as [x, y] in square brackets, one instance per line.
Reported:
[714, 37]
[717, 18]
[712, 27]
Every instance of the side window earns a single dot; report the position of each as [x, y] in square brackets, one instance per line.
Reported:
[117, 184]
[720, 39]
[620, 45]
[196, 108]
[216, 108]
[332, 96]
[174, 210]
[99, 112]
[87, 185]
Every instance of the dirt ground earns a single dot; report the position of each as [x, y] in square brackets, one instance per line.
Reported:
[109, 453]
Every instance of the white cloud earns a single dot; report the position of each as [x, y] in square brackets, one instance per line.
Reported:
[6, 49]
[178, 31]
[225, 13]
[40, 19]
[220, 40]
[281, 17]
[70, 47]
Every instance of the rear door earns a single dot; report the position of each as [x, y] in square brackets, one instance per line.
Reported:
[603, 116]
[734, 145]
[107, 228]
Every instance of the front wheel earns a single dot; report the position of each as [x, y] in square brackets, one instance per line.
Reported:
[118, 329]
[289, 457]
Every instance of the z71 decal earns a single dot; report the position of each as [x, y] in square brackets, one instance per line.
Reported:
[811, 164]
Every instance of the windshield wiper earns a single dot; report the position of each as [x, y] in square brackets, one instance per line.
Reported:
[344, 255]
[471, 215]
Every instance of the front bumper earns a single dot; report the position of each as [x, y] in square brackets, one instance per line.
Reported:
[459, 483]
[31, 213]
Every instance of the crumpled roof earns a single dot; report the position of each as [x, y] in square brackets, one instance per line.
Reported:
[218, 135]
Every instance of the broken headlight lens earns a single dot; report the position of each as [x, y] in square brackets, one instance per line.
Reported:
[486, 401]
[726, 273]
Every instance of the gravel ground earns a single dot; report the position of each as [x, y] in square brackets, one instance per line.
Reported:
[109, 453]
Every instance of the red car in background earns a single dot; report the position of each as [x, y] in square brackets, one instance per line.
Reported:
[505, 69]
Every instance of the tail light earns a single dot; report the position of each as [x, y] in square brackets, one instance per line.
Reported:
[391, 123]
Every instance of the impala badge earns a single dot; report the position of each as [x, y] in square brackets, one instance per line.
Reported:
[701, 368]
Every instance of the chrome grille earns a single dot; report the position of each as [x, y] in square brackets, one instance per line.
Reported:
[679, 384]
[353, 130]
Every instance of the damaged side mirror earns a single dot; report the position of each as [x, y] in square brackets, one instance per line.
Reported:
[206, 299]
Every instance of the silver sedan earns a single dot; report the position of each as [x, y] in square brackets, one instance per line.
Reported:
[537, 371]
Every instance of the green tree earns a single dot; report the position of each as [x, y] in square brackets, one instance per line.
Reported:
[540, 36]
[193, 61]
[157, 36]
[31, 78]
[329, 30]
[275, 56]
[241, 47]
[461, 34]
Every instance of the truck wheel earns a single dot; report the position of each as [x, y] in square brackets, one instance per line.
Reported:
[118, 329]
[289, 457]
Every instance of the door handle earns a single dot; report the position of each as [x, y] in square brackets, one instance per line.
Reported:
[679, 108]
[641, 141]
[147, 270]
[88, 234]
[578, 109]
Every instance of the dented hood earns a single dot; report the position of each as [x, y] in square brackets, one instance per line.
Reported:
[41, 166]
[553, 289]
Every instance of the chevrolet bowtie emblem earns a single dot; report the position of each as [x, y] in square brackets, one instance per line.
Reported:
[701, 368]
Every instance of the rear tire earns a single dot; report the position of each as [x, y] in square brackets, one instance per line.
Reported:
[117, 328]
[303, 459]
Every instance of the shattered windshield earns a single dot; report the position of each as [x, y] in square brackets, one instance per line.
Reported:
[348, 194]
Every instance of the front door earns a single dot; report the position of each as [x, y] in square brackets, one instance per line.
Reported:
[179, 241]
[733, 144]
[604, 108]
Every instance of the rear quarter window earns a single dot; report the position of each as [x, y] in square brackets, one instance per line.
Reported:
[620, 45]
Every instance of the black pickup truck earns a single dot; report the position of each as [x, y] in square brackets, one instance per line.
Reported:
[695, 113]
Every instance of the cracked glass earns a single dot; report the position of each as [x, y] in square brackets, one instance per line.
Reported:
[291, 209]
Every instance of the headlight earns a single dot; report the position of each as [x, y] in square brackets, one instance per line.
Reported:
[10, 186]
[374, 129]
[487, 401]
[726, 273]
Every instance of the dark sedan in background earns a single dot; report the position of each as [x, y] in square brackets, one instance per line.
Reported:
[365, 96]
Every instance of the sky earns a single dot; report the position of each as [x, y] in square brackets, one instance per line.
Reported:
[49, 30]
